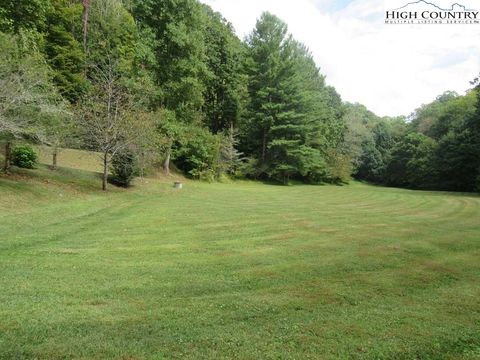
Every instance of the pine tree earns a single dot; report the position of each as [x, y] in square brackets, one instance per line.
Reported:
[64, 52]
[225, 82]
[289, 114]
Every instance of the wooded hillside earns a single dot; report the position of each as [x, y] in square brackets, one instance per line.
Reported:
[149, 82]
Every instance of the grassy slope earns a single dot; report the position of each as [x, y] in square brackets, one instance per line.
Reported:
[241, 270]
[75, 159]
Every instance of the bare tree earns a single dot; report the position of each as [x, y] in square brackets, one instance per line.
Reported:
[85, 15]
[59, 132]
[148, 141]
[106, 117]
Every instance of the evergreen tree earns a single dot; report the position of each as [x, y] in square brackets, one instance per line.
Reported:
[64, 53]
[293, 119]
[411, 163]
[267, 60]
[225, 82]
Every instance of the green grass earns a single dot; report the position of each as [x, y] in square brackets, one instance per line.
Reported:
[71, 158]
[242, 270]
[66, 158]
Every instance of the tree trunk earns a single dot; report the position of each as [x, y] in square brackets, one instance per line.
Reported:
[8, 155]
[142, 164]
[166, 163]
[105, 172]
[232, 130]
[231, 146]
[54, 159]
[86, 11]
[264, 145]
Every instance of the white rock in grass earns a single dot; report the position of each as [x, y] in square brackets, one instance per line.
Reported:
[178, 185]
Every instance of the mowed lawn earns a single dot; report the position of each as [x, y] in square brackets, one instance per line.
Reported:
[236, 271]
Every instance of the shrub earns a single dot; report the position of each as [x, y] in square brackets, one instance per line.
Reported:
[198, 153]
[124, 167]
[24, 156]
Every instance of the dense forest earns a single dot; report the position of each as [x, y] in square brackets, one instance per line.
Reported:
[147, 83]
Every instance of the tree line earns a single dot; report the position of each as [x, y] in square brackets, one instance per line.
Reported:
[149, 82]
[437, 148]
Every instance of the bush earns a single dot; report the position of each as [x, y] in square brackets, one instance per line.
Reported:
[24, 156]
[124, 167]
[198, 153]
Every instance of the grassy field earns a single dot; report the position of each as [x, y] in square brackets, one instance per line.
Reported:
[242, 270]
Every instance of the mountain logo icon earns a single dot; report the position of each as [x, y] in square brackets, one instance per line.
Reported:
[423, 2]
[426, 12]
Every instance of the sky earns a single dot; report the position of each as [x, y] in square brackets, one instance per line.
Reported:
[391, 69]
